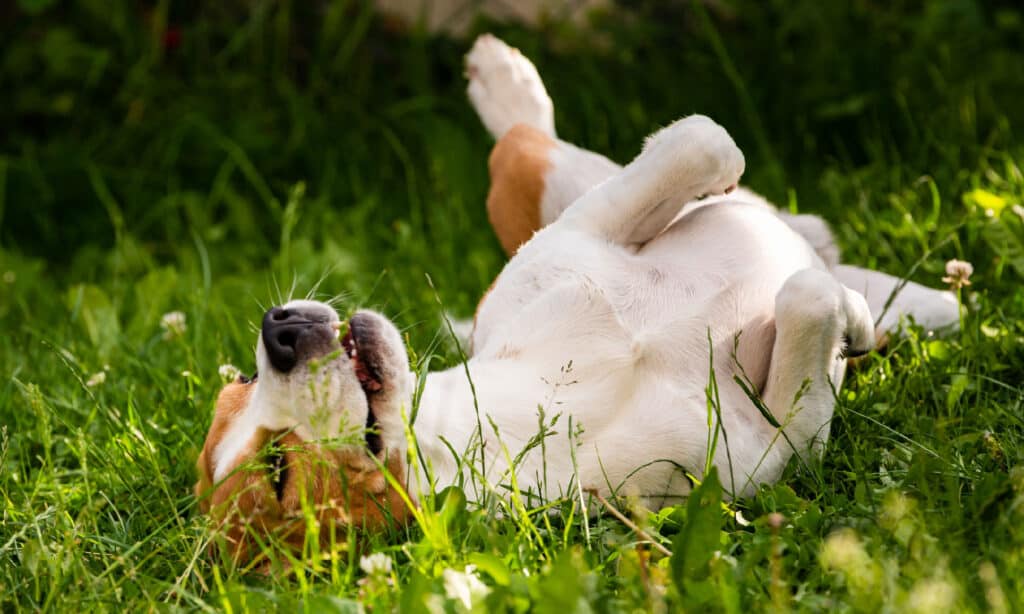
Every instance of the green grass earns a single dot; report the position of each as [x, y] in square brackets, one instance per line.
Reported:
[287, 146]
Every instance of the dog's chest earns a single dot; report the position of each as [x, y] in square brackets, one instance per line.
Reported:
[698, 290]
[612, 313]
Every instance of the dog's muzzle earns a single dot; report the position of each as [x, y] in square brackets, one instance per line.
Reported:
[291, 335]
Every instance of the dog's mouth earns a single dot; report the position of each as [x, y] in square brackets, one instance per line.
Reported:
[369, 378]
[362, 348]
[305, 333]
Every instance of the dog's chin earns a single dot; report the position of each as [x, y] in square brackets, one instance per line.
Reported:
[342, 373]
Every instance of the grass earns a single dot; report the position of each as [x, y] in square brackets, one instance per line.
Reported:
[212, 158]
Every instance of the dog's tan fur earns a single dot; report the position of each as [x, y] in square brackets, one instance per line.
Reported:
[344, 488]
[517, 164]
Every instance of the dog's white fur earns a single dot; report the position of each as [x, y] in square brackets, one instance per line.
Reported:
[614, 317]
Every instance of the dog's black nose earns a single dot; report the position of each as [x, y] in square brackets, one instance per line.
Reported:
[281, 331]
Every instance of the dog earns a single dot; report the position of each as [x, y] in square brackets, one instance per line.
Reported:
[645, 311]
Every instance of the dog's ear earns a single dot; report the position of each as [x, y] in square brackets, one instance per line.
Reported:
[261, 494]
[244, 499]
[518, 163]
[230, 402]
[204, 483]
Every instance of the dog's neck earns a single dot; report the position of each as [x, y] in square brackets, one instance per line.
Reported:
[461, 403]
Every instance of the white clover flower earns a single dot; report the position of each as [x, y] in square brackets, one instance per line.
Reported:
[229, 372]
[173, 324]
[186, 374]
[376, 563]
[465, 587]
[96, 379]
[958, 273]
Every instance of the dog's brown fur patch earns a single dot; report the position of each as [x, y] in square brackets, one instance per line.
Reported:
[230, 402]
[518, 163]
[265, 493]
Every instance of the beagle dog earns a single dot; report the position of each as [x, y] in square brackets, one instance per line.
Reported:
[652, 319]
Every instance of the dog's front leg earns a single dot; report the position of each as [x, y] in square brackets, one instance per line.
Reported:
[891, 298]
[819, 322]
[691, 158]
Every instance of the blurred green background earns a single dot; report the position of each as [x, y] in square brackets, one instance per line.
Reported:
[162, 124]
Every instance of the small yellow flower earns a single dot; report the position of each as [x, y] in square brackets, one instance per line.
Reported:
[958, 273]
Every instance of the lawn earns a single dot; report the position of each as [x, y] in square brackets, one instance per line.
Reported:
[216, 158]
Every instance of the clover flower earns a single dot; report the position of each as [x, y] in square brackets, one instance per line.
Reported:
[958, 273]
[465, 587]
[229, 373]
[174, 324]
[376, 563]
[96, 379]
[378, 580]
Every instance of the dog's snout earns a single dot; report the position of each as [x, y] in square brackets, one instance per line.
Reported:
[282, 329]
[279, 314]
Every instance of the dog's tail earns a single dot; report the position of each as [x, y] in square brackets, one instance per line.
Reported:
[506, 89]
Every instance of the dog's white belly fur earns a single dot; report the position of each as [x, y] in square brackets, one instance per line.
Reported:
[617, 340]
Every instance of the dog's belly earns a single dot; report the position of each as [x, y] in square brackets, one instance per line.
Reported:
[624, 341]
[715, 270]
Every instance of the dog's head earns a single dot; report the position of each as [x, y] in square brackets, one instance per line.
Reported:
[313, 434]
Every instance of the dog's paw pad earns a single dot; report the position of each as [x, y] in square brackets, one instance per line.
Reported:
[506, 89]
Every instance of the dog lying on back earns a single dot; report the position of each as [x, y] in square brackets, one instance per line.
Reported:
[624, 290]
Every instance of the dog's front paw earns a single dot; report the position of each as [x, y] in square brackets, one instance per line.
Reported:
[859, 337]
[814, 298]
[505, 88]
[701, 153]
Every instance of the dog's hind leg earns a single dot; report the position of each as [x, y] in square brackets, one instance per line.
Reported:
[891, 298]
[534, 177]
[505, 88]
[819, 322]
[690, 158]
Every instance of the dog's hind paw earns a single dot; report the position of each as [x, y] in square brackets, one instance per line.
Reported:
[506, 89]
